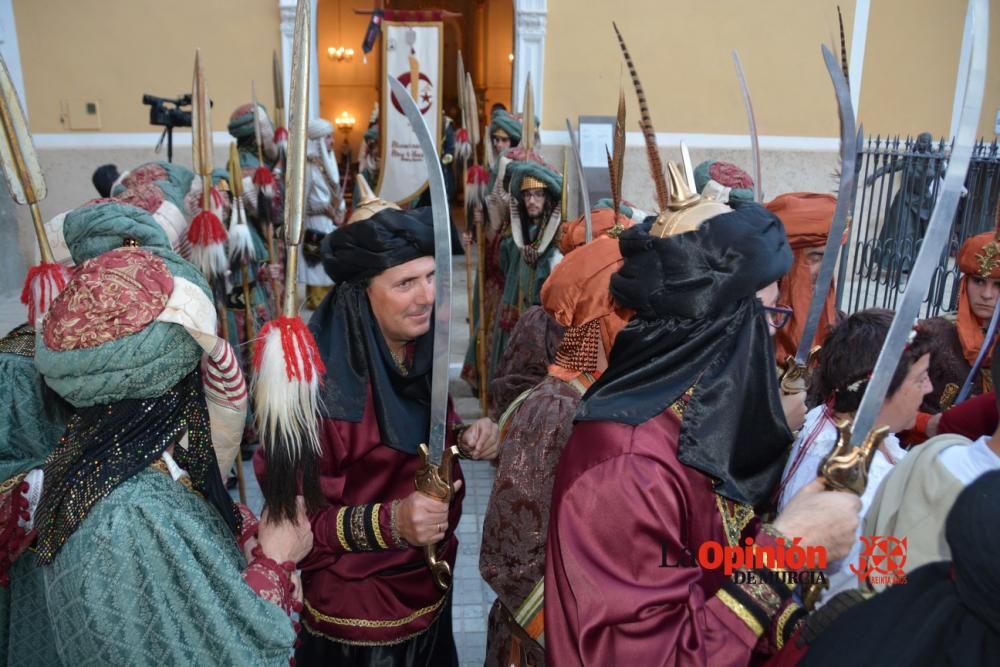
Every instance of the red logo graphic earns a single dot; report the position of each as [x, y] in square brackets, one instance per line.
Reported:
[424, 97]
[882, 560]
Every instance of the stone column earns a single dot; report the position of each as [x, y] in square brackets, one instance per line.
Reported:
[530, 17]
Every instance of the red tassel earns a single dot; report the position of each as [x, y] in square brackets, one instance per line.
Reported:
[301, 354]
[264, 180]
[288, 371]
[280, 135]
[206, 229]
[478, 175]
[208, 237]
[41, 286]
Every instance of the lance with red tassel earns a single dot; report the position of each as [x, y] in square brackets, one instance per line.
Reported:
[288, 366]
[280, 133]
[264, 181]
[27, 187]
[206, 234]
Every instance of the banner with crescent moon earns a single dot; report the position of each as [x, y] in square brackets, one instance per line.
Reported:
[411, 52]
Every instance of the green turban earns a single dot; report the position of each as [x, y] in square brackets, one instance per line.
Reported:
[727, 175]
[502, 120]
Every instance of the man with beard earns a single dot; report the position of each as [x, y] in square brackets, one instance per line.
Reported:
[370, 599]
[533, 431]
[673, 448]
[529, 253]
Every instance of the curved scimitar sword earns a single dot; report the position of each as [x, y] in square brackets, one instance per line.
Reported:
[793, 377]
[752, 123]
[434, 477]
[846, 467]
[584, 190]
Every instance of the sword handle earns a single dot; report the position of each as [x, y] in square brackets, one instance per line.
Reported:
[435, 481]
[794, 375]
[845, 469]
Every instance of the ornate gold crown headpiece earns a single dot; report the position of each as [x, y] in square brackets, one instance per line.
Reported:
[368, 204]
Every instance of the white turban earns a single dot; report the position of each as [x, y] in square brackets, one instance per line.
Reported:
[319, 127]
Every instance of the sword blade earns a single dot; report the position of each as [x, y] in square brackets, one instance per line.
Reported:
[845, 205]
[584, 190]
[752, 123]
[938, 230]
[442, 272]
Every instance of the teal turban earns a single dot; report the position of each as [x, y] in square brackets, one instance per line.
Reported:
[521, 169]
[727, 175]
[608, 203]
[502, 120]
[241, 121]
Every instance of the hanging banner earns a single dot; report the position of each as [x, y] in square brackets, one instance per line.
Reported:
[411, 52]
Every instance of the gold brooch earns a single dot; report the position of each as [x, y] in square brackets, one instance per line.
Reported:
[988, 259]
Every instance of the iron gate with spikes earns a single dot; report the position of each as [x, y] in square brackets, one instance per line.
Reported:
[898, 184]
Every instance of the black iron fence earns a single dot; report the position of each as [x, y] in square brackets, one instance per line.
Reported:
[898, 184]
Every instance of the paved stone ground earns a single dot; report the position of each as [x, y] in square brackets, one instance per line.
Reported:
[473, 598]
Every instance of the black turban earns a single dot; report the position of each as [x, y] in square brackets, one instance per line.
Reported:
[945, 613]
[349, 338]
[362, 250]
[698, 324]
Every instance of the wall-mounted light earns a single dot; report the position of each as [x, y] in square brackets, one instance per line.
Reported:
[344, 121]
[340, 54]
[510, 57]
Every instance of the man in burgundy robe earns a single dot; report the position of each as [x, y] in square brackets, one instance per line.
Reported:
[674, 446]
[533, 432]
[370, 598]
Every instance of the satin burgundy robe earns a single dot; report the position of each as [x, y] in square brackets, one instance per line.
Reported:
[622, 502]
[344, 592]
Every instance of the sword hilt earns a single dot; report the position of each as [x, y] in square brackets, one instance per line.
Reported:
[434, 480]
[794, 375]
[845, 468]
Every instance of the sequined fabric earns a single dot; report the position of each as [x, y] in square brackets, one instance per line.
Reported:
[107, 444]
[20, 341]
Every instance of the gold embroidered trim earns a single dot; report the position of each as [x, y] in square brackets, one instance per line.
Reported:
[340, 529]
[779, 628]
[375, 527]
[948, 395]
[12, 482]
[680, 405]
[358, 527]
[988, 259]
[376, 623]
[733, 522]
[742, 612]
[354, 642]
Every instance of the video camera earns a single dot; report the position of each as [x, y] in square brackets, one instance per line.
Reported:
[162, 114]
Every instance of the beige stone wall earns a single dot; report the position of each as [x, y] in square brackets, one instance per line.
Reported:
[683, 56]
[113, 51]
